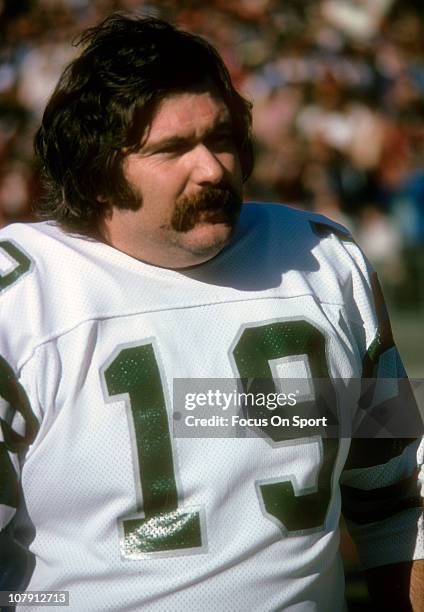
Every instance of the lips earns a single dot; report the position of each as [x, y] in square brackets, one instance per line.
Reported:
[213, 215]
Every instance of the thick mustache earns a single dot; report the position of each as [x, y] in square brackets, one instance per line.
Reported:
[208, 198]
[222, 199]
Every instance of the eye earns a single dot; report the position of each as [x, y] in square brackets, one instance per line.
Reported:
[175, 148]
[221, 141]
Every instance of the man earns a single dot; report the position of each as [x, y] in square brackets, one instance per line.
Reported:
[149, 271]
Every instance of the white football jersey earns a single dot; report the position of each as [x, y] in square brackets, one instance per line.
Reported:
[98, 495]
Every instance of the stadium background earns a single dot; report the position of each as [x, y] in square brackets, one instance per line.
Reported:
[338, 93]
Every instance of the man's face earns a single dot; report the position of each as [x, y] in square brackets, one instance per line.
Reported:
[187, 175]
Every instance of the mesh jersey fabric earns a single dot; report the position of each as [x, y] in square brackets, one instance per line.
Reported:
[117, 510]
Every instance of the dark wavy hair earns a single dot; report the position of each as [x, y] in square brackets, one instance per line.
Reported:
[103, 103]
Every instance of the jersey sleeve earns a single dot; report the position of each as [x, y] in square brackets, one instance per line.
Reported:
[381, 485]
[18, 429]
[18, 423]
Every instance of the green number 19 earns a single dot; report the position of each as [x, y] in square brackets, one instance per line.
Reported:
[164, 527]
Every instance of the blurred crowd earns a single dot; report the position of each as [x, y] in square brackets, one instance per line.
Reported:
[338, 93]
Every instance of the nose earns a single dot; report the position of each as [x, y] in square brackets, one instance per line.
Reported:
[207, 168]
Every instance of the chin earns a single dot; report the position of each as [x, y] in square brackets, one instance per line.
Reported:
[207, 239]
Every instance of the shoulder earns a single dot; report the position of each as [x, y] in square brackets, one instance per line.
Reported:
[289, 219]
[321, 252]
[40, 243]
[36, 262]
[302, 238]
[31, 254]
[20, 245]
